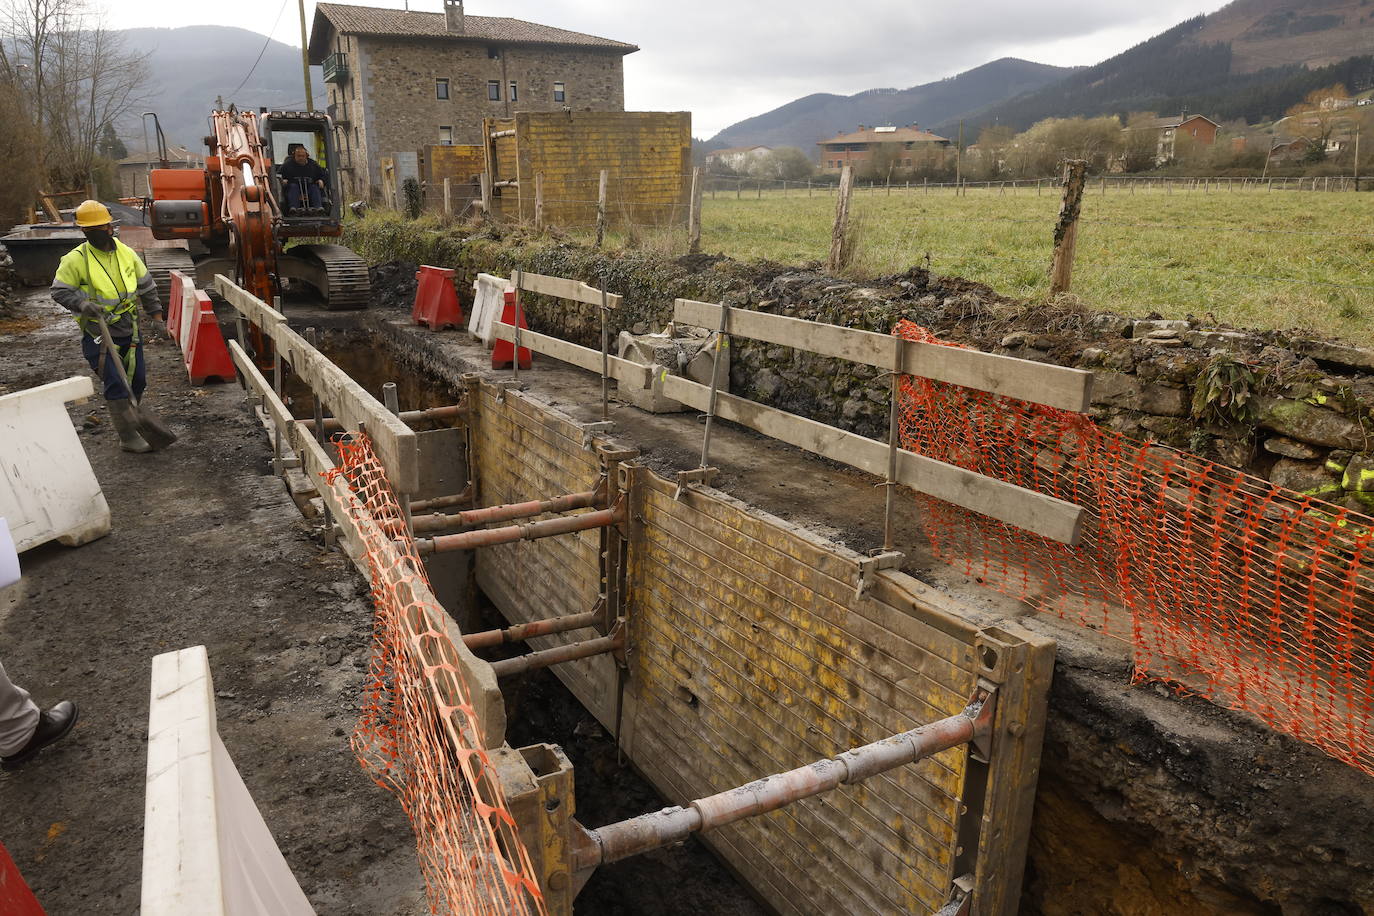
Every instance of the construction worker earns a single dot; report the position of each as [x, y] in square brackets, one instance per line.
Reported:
[24, 728]
[103, 276]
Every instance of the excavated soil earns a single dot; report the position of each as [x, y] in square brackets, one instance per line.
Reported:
[207, 549]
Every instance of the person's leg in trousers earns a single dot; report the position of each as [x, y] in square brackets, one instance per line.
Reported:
[113, 388]
[293, 195]
[316, 194]
[18, 716]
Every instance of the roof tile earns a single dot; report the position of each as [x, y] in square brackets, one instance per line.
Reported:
[371, 20]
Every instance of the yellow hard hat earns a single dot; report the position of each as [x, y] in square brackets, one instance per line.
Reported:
[93, 213]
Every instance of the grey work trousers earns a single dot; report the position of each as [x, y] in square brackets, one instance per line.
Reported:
[18, 716]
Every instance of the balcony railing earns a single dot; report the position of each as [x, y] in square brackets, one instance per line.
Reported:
[336, 68]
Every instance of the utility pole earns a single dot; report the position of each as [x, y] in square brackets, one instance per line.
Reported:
[959, 161]
[305, 59]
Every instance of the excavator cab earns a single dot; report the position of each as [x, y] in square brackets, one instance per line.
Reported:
[302, 212]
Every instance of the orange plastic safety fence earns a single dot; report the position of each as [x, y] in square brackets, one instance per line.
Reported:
[1253, 596]
[418, 734]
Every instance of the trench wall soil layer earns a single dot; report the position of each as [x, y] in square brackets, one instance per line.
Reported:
[749, 653]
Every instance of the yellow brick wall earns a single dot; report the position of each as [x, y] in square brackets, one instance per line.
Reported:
[749, 654]
[648, 155]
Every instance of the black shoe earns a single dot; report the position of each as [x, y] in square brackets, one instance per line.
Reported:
[53, 725]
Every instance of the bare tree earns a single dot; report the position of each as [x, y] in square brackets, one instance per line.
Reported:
[74, 76]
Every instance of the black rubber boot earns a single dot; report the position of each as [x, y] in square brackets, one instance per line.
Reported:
[122, 415]
[53, 725]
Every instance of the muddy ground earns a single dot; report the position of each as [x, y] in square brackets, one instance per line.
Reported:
[207, 548]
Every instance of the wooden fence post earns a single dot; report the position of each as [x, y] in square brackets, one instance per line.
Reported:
[839, 236]
[601, 207]
[486, 194]
[694, 214]
[1066, 229]
[448, 197]
[538, 201]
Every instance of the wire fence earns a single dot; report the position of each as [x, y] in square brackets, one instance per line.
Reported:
[1248, 250]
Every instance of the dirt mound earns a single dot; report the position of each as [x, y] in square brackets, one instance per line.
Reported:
[393, 285]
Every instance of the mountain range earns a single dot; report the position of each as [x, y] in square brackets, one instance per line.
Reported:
[803, 122]
[1250, 60]
[189, 67]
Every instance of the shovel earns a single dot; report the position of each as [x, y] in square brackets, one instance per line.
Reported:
[150, 427]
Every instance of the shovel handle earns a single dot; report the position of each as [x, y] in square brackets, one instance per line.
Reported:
[112, 353]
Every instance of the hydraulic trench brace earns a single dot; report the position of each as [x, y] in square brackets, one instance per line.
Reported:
[605, 358]
[392, 402]
[972, 726]
[321, 436]
[704, 473]
[887, 557]
[515, 348]
[614, 562]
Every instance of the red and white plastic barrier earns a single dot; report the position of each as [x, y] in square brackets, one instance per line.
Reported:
[436, 300]
[192, 324]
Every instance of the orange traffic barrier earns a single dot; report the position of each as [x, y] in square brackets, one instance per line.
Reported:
[436, 300]
[205, 353]
[15, 897]
[174, 300]
[503, 353]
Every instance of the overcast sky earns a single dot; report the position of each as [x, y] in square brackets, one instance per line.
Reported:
[725, 60]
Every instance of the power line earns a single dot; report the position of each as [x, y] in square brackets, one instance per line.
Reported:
[270, 32]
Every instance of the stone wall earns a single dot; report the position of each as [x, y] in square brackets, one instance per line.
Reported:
[392, 104]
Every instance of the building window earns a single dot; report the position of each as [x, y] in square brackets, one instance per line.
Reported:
[514, 95]
[494, 90]
[446, 134]
[441, 89]
[560, 94]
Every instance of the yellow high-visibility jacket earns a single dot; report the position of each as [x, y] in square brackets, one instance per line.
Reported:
[116, 280]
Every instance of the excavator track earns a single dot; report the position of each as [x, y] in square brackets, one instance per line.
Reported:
[338, 274]
[161, 262]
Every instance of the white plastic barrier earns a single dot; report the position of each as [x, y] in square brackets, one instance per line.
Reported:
[47, 488]
[206, 849]
[488, 299]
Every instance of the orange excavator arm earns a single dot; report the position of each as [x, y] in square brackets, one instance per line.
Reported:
[247, 205]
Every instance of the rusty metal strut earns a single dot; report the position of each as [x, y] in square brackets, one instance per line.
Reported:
[545, 658]
[673, 825]
[523, 631]
[487, 537]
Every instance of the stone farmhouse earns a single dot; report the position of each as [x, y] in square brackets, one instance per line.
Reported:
[857, 148]
[1167, 131]
[399, 81]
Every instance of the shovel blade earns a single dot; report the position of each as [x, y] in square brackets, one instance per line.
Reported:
[152, 429]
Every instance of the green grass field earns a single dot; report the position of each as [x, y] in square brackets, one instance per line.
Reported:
[1255, 258]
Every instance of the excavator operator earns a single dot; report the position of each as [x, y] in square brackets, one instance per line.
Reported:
[304, 179]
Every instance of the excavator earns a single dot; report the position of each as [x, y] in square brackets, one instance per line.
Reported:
[233, 213]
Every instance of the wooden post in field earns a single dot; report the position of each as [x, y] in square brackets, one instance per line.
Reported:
[758, 186]
[739, 188]
[448, 197]
[694, 215]
[839, 235]
[538, 201]
[601, 207]
[486, 194]
[1066, 229]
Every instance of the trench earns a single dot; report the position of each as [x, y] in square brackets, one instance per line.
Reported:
[682, 880]
[1147, 803]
